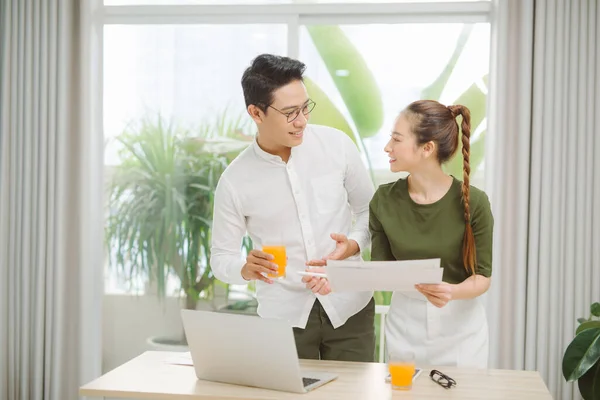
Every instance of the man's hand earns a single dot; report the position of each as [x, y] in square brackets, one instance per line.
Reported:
[344, 248]
[316, 284]
[439, 294]
[257, 263]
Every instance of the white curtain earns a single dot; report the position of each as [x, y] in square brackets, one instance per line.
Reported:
[507, 161]
[50, 202]
[545, 172]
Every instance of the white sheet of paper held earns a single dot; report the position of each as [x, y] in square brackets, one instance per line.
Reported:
[399, 276]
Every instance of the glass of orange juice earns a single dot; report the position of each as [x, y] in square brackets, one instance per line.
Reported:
[402, 368]
[280, 258]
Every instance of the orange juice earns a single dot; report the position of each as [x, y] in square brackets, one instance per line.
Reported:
[402, 374]
[280, 259]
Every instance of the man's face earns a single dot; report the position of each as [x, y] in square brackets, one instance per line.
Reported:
[283, 123]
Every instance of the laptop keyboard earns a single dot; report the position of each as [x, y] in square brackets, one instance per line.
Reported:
[309, 381]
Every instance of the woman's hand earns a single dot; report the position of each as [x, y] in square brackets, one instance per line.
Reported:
[438, 294]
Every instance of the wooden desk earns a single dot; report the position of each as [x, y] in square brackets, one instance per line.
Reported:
[150, 377]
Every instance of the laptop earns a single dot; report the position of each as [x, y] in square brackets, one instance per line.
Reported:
[247, 350]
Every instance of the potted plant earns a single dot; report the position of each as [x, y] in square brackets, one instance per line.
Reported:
[581, 358]
[160, 204]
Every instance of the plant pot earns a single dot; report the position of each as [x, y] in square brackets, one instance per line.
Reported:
[167, 343]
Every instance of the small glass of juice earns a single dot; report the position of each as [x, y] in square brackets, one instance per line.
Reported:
[280, 258]
[402, 368]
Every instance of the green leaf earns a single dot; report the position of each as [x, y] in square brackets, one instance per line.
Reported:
[595, 309]
[582, 320]
[326, 113]
[352, 77]
[454, 167]
[587, 325]
[161, 200]
[581, 354]
[383, 298]
[589, 383]
[366, 254]
[378, 328]
[434, 91]
[475, 100]
[477, 151]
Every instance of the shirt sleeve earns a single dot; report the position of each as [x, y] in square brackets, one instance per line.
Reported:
[360, 191]
[228, 230]
[380, 244]
[482, 222]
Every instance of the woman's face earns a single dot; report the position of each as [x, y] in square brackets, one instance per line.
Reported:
[404, 152]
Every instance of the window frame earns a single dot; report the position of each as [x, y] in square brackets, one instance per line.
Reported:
[296, 15]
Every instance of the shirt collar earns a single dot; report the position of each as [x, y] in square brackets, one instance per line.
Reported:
[268, 156]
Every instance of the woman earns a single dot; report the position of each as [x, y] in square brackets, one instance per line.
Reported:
[430, 214]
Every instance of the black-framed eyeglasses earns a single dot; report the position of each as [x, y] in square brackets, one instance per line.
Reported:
[442, 379]
[292, 115]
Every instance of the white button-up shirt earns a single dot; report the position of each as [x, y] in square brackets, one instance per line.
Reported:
[319, 191]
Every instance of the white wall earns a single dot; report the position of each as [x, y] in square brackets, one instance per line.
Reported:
[128, 321]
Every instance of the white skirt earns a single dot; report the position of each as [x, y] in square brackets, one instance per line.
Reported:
[456, 334]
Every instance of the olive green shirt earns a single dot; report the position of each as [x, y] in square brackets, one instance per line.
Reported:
[404, 230]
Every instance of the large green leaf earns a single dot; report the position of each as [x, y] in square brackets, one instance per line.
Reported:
[325, 112]
[475, 100]
[581, 354]
[587, 325]
[455, 165]
[352, 77]
[589, 383]
[434, 91]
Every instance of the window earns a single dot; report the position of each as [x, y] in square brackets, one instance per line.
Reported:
[187, 74]
[390, 76]
[174, 67]
[160, 65]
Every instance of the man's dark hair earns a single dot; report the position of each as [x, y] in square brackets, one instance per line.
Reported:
[266, 74]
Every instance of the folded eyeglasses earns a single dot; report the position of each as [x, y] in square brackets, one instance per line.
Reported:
[442, 379]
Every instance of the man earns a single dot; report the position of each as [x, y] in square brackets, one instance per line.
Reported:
[298, 185]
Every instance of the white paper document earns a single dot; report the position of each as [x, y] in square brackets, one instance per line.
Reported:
[399, 276]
